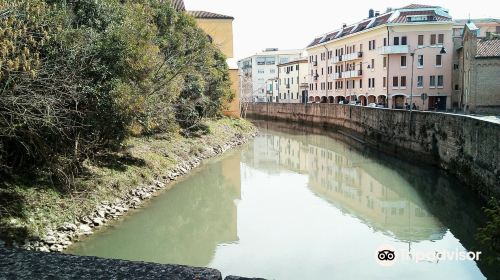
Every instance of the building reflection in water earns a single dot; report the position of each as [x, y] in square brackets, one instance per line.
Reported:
[184, 226]
[378, 196]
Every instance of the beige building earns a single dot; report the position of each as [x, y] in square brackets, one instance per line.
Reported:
[479, 68]
[401, 56]
[293, 82]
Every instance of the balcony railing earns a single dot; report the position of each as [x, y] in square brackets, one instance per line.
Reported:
[337, 76]
[352, 56]
[315, 63]
[393, 49]
[350, 74]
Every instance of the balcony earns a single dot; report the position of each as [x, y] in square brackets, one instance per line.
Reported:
[337, 59]
[393, 49]
[337, 76]
[352, 56]
[352, 74]
[315, 63]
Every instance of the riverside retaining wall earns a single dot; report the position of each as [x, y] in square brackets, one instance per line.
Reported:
[465, 146]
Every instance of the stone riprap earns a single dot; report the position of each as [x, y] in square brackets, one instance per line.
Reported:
[466, 147]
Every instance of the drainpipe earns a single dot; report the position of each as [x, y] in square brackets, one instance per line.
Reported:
[326, 84]
[387, 74]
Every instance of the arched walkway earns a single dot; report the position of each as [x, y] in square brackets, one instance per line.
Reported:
[323, 99]
[398, 101]
[362, 99]
[382, 99]
[372, 99]
[338, 99]
[316, 99]
[311, 98]
[330, 99]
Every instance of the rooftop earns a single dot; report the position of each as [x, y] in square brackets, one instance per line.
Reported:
[476, 21]
[178, 5]
[208, 15]
[413, 13]
[488, 48]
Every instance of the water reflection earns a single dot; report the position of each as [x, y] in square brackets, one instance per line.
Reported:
[378, 196]
[301, 204]
[183, 227]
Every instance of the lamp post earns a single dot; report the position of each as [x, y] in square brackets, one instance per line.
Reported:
[412, 54]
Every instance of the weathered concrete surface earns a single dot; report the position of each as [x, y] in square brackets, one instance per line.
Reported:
[20, 264]
[467, 147]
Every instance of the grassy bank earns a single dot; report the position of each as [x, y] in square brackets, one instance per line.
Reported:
[29, 208]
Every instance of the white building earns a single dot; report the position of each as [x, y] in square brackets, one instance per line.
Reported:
[272, 89]
[257, 69]
[293, 81]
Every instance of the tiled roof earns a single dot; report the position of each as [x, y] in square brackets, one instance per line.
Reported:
[488, 48]
[477, 20]
[418, 6]
[395, 16]
[436, 17]
[203, 14]
[178, 5]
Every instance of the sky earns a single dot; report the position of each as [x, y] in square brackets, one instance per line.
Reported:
[290, 24]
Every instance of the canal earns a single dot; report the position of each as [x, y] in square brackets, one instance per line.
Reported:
[297, 204]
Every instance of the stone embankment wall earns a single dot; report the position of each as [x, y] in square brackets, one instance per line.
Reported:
[465, 146]
[19, 264]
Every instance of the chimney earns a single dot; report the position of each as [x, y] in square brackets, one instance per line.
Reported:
[377, 13]
[370, 13]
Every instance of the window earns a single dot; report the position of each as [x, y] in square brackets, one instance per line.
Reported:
[373, 63]
[420, 61]
[384, 62]
[420, 40]
[455, 66]
[261, 60]
[441, 39]
[297, 67]
[384, 82]
[497, 29]
[404, 41]
[361, 83]
[373, 45]
[456, 87]
[403, 61]
[395, 81]
[439, 60]
[440, 81]
[403, 81]
[396, 41]
[432, 82]
[420, 81]
[433, 39]
[373, 82]
[385, 42]
[260, 71]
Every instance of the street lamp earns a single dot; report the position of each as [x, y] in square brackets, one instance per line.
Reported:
[442, 51]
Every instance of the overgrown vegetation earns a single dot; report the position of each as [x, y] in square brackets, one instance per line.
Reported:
[489, 235]
[80, 78]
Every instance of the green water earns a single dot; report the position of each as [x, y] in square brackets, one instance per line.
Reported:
[302, 205]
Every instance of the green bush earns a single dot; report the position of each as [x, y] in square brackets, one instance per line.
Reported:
[78, 77]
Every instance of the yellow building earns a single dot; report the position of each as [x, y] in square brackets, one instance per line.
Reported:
[219, 29]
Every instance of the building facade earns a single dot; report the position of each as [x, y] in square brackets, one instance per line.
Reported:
[374, 60]
[257, 69]
[293, 82]
[479, 68]
[484, 27]
[219, 29]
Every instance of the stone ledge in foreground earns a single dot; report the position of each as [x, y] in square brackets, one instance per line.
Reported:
[21, 264]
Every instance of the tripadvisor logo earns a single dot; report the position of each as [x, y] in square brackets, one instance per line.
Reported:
[387, 255]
